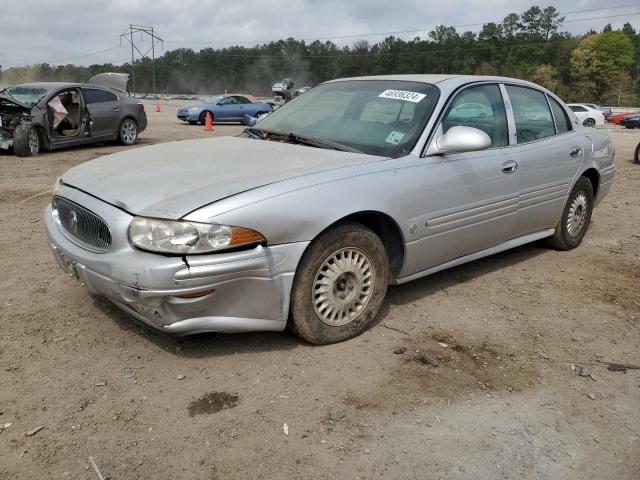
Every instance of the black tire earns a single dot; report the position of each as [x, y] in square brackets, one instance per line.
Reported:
[636, 155]
[203, 117]
[579, 206]
[128, 132]
[26, 141]
[348, 242]
[589, 122]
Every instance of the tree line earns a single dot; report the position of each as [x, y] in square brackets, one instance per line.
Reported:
[596, 66]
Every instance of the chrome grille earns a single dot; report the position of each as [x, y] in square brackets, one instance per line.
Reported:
[81, 225]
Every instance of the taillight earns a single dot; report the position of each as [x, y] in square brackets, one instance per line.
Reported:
[141, 105]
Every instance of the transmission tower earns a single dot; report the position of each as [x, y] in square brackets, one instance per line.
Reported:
[128, 36]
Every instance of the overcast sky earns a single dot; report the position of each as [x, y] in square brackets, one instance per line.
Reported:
[86, 32]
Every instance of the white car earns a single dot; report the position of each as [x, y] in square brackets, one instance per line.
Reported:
[588, 116]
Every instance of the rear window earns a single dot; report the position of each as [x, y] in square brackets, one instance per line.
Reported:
[560, 115]
[532, 115]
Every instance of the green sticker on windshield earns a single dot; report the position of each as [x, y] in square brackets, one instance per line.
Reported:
[394, 137]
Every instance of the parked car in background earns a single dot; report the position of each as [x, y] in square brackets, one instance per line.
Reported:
[589, 117]
[307, 217]
[616, 118]
[49, 115]
[225, 108]
[631, 120]
[606, 111]
[300, 91]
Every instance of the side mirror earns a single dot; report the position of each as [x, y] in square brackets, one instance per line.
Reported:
[460, 139]
[250, 121]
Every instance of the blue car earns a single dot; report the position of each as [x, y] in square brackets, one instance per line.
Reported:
[225, 108]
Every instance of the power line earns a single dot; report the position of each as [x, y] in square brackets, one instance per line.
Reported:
[423, 29]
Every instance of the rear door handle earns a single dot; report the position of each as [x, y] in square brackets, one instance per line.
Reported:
[509, 166]
[575, 151]
[116, 110]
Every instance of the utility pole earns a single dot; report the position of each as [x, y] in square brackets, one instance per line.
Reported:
[128, 36]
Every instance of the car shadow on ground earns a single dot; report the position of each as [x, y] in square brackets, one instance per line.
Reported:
[411, 292]
[205, 345]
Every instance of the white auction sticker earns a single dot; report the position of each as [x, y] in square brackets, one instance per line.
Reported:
[414, 97]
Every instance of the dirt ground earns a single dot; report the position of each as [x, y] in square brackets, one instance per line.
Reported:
[503, 402]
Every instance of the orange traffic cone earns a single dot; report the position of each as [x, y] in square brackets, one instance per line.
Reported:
[207, 122]
[158, 107]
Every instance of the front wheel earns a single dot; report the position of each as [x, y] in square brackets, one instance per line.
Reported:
[26, 141]
[575, 218]
[128, 132]
[589, 122]
[636, 155]
[340, 284]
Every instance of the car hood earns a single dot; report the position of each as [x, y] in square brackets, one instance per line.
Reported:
[8, 99]
[170, 180]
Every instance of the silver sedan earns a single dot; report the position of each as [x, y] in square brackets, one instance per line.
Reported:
[306, 218]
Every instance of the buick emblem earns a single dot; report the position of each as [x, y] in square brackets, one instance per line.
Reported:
[73, 221]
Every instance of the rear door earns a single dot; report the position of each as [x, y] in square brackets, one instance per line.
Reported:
[548, 152]
[470, 199]
[104, 111]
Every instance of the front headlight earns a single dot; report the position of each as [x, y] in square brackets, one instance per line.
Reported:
[193, 109]
[183, 237]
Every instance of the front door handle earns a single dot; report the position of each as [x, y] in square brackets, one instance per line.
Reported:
[115, 110]
[575, 151]
[509, 166]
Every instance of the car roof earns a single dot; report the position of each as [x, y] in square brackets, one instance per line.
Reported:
[446, 82]
[56, 85]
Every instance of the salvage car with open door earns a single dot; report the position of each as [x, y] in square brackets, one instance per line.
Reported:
[50, 115]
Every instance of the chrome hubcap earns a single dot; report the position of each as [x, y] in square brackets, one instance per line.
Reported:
[343, 286]
[577, 214]
[34, 142]
[129, 132]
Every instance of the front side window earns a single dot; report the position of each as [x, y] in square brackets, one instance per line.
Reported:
[562, 120]
[243, 100]
[378, 117]
[531, 113]
[480, 107]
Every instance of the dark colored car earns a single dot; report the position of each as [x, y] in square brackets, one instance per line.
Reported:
[631, 120]
[49, 115]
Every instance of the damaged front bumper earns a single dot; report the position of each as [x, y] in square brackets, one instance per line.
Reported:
[225, 292]
[6, 142]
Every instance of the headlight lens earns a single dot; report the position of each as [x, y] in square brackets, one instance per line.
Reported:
[182, 237]
[193, 109]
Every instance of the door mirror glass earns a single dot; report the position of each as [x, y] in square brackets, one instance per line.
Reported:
[460, 139]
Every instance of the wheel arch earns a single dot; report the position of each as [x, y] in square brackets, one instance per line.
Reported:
[594, 177]
[386, 228]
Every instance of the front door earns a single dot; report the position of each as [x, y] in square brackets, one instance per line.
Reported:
[470, 198]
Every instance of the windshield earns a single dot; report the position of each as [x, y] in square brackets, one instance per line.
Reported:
[26, 94]
[378, 117]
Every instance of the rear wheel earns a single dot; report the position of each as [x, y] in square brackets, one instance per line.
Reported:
[636, 155]
[26, 141]
[340, 284]
[128, 132]
[575, 218]
[589, 122]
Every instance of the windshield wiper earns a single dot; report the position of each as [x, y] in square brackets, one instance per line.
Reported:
[300, 139]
